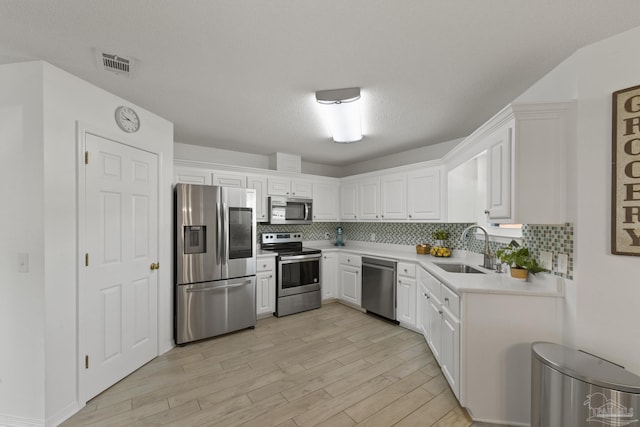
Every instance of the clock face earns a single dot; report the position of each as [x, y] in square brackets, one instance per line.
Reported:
[127, 119]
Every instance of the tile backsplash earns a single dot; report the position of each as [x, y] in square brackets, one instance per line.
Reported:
[552, 238]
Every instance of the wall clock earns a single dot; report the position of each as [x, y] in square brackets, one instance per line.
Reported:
[127, 119]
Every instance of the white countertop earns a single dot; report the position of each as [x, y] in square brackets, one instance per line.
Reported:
[541, 284]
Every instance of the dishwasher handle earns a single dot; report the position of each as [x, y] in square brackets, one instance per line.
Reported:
[382, 264]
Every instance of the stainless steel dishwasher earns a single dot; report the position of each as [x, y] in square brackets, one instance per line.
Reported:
[379, 287]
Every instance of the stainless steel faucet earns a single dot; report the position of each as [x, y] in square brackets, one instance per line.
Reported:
[489, 259]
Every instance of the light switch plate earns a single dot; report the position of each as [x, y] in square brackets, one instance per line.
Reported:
[563, 261]
[546, 260]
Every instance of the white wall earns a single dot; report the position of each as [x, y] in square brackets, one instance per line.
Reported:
[40, 387]
[417, 155]
[22, 314]
[607, 287]
[236, 158]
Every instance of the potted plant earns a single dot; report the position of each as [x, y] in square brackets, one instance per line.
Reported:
[519, 259]
[440, 249]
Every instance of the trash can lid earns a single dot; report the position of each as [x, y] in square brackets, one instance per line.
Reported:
[586, 367]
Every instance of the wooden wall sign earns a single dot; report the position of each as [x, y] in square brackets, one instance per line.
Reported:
[625, 173]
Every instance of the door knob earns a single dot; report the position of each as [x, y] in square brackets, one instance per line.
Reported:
[154, 266]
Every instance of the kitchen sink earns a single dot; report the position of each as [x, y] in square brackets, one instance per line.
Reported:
[457, 268]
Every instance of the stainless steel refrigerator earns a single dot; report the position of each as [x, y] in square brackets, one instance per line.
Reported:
[215, 284]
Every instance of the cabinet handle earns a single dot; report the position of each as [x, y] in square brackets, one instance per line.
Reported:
[355, 217]
[409, 215]
[440, 312]
[425, 294]
[446, 299]
[271, 276]
[487, 212]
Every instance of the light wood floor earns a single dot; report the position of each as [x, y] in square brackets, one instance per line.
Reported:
[330, 367]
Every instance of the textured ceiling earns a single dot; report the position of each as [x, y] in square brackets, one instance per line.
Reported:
[241, 74]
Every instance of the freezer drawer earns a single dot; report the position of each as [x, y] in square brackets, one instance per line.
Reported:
[204, 310]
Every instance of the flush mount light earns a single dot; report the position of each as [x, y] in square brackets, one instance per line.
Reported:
[342, 113]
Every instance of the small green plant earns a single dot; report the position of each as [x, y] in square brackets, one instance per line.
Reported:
[440, 235]
[518, 257]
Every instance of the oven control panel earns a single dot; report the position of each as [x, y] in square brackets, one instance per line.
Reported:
[281, 237]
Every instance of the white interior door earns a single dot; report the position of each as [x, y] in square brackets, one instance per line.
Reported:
[119, 284]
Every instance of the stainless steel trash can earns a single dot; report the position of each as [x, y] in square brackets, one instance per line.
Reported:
[572, 388]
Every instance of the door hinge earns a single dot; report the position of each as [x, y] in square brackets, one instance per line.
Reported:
[86, 260]
[86, 361]
[86, 157]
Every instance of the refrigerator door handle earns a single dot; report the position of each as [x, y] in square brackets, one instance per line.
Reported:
[225, 242]
[218, 235]
[215, 288]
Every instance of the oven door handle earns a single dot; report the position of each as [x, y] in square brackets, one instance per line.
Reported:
[300, 257]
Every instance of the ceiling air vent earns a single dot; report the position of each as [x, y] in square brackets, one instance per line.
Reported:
[121, 65]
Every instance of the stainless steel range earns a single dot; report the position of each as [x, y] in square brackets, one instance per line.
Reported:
[298, 273]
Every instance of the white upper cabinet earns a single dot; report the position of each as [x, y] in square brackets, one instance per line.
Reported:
[259, 183]
[189, 175]
[301, 188]
[325, 201]
[393, 197]
[499, 178]
[280, 186]
[348, 201]
[277, 186]
[369, 199]
[424, 193]
[226, 179]
[524, 150]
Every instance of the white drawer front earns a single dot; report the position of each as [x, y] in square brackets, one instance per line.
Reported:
[266, 264]
[450, 300]
[432, 284]
[406, 269]
[350, 259]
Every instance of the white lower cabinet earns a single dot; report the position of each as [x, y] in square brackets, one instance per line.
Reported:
[440, 325]
[265, 286]
[406, 295]
[350, 279]
[329, 275]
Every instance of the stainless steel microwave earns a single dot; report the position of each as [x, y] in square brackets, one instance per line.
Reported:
[285, 210]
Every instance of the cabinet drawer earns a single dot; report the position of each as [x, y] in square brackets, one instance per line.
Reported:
[406, 269]
[450, 300]
[266, 264]
[350, 259]
[432, 284]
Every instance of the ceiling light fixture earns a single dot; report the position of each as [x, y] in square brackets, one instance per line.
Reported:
[342, 113]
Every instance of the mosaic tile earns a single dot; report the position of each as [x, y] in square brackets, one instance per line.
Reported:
[553, 238]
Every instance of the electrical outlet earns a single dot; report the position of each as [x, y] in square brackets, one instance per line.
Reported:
[546, 260]
[373, 237]
[327, 236]
[563, 261]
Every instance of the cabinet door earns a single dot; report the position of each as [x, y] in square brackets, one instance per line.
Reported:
[369, 199]
[188, 175]
[350, 285]
[265, 293]
[499, 176]
[393, 197]
[423, 309]
[349, 201]
[406, 309]
[450, 355]
[329, 275]
[434, 327]
[259, 184]
[230, 180]
[278, 186]
[424, 194]
[301, 188]
[325, 201]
